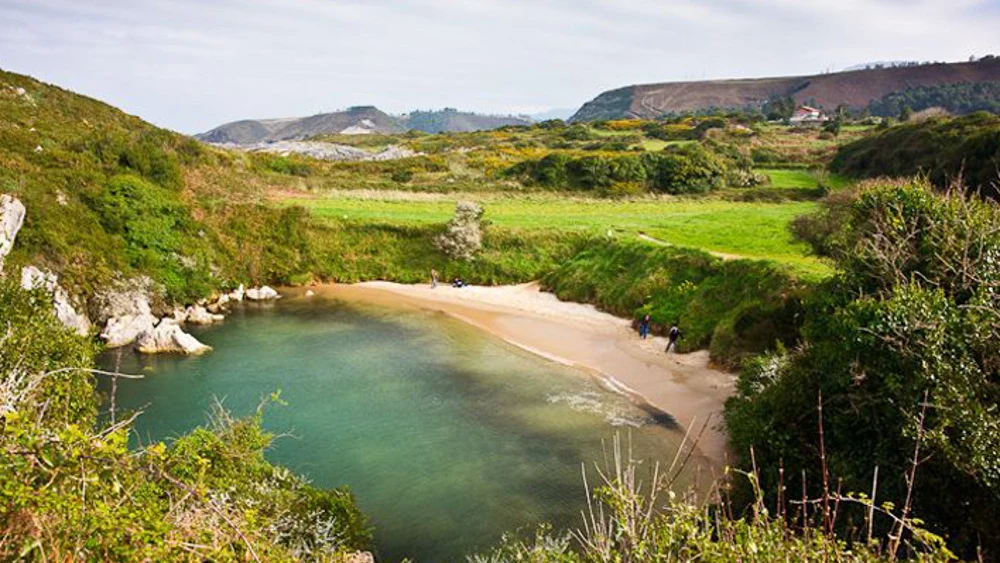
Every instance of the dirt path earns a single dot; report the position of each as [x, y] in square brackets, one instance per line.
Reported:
[723, 255]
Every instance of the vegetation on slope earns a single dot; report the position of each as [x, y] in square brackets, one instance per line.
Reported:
[945, 150]
[960, 98]
[108, 195]
[900, 347]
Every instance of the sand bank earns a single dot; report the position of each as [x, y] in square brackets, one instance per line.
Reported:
[681, 385]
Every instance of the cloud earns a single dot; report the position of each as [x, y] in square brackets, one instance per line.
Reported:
[192, 64]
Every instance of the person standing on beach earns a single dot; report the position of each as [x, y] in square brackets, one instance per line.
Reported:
[644, 327]
[434, 278]
[672, 337]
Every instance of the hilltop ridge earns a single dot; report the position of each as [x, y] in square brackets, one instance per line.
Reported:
[357, 120]
[853, 88]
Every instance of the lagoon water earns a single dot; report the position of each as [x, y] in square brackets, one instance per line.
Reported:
[447, 436]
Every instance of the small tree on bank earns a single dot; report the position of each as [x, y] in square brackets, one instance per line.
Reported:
[463, 237]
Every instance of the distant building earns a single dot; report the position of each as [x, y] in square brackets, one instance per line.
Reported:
[806, 115]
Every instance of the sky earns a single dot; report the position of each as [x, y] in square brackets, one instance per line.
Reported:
[190, 65]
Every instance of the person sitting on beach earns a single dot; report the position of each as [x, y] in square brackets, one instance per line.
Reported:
[672, 337]
[458, 283]
[644, 327]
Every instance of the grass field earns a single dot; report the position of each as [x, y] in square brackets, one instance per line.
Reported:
[752, 230]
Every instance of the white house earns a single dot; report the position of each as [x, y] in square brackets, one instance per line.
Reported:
[806, 115]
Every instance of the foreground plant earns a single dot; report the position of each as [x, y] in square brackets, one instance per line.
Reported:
[903, 344]
[632, 520]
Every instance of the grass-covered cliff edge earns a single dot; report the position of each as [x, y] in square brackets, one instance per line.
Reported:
[886, 327]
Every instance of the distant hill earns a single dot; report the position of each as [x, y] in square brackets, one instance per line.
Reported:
[450, 119]
[554, 113]
[854, 88]
[358, 120]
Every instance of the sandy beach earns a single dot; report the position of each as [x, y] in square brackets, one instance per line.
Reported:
[680, 385]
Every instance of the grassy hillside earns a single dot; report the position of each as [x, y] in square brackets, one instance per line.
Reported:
[109, 194]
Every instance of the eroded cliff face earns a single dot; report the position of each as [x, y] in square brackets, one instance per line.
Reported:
[124, 310]
[12, 214]
[34, 278]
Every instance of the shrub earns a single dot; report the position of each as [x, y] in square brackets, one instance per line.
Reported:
[945, 150]
[290, 166]
[903, 344]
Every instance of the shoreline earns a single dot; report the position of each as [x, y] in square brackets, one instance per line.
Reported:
[681, 386]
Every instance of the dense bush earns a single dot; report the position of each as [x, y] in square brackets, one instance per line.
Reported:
[159, 234]
[901, 346]
[943, 149]
[677, 170]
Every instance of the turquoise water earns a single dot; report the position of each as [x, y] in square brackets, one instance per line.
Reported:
[447, 436]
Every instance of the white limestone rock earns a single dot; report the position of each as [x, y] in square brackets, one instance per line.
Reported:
[168, 337]
[125, 311]
[265, 293]
[123, 330]
[11, 218]
[197, 314]
[218, 306]
[238, 294]
[32, 278]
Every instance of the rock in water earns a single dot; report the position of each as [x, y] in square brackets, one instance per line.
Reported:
[262, 294]
[32, 278]
[167, 336]
[198, 315]
[11, 218]
[126, 311]
[123, 330]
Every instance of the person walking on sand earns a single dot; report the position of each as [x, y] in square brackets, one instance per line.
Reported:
[672, 337]
[644, 327]
[434, 278]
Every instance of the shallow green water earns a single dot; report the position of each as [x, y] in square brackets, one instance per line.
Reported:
[447, 436]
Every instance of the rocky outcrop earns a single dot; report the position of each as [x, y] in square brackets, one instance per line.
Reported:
[324, 151]
[197, 314]
[32, 278]
[123, 330]
[238, 294]
[166, 337]
[262, 294]
[11, 218]
[125, 311]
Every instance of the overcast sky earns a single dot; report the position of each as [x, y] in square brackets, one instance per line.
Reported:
[193, 64]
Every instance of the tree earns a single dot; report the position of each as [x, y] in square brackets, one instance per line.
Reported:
[463, 237]
[905, 113]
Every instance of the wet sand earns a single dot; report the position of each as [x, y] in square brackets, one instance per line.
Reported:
[680, 385]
